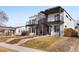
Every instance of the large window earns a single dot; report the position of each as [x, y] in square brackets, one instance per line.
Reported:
[57, 17]
[56, 28]
[33, 21]
[33, 29]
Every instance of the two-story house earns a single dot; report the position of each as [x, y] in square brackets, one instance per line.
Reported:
[52, 21]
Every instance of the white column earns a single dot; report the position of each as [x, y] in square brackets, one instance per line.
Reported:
[31, 30]
[38, 31]
[52, 30]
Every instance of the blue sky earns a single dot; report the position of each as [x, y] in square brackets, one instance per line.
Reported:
[18, 15]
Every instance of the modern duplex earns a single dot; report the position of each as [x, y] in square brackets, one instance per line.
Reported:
[52, 21]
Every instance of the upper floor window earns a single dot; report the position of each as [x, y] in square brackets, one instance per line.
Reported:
[29, 21]
[70, 19]
[57, 17]
[33, 21]
[66, 16]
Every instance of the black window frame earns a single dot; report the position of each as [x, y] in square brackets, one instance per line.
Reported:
[57, 17]
[67, 16]
[56, 28]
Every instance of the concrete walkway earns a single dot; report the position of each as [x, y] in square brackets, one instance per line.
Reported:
[18, 48]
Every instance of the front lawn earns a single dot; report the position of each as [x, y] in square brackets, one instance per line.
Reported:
[52, 43]
[4, 38]
[41, 42]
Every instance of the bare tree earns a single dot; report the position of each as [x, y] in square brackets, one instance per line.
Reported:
[3, 18]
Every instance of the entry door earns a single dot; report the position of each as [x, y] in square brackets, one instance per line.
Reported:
[57, 29]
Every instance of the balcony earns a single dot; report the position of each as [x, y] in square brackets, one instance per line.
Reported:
[59, 20]
[31, 23]
[56, 22]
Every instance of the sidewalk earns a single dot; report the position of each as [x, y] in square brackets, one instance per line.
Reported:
[18, 48]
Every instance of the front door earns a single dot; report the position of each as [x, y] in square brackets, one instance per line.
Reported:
[57, 29]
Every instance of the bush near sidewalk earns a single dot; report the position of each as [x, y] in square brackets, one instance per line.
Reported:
[24, 33]
[69, 32]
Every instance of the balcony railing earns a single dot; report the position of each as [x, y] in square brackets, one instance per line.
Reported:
[61, 18]
[57, 21]
[31, 23]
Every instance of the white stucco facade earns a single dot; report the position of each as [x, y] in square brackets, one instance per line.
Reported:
[52, 21]
[68, 22]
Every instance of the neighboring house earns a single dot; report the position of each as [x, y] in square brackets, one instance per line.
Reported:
[7, 30]
[52, 21]
[13, 31]
[19, 30]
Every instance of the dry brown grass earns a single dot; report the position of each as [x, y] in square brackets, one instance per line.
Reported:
[61, 46]
[54, 44]
[77, 40]
[2, 49]
[41, 42]
[14, 41]
[4, 38]
[65, 45]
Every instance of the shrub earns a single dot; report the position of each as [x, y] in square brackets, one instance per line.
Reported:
[69, 32]
[24, 33]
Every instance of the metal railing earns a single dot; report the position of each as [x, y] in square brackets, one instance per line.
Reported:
[58, 20]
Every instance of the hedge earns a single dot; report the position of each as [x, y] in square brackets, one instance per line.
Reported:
[69, 32]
